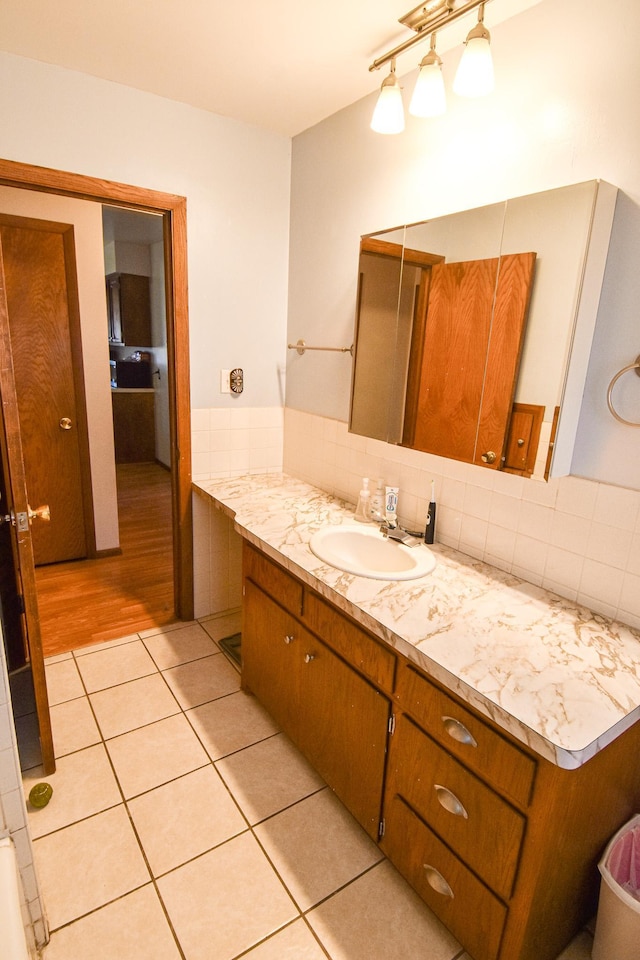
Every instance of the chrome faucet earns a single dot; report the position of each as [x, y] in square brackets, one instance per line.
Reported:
[393, 531]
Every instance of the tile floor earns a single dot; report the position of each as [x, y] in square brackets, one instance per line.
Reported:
[183, 824]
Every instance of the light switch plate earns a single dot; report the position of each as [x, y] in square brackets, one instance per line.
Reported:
[225, 381]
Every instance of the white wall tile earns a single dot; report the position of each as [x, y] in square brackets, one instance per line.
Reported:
[505, 511]
[616, 506]
[529, 558]
[535, 521]
[630, 595]
[569, 532]
[477, 501]
[602, 582]
[199, 420]
[576, 537]
[577, 497]
[609, 545]
[563, 571]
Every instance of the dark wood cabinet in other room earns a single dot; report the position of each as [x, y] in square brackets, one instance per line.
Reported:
[129, 308]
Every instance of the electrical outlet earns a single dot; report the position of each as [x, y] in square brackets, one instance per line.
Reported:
[225, 381]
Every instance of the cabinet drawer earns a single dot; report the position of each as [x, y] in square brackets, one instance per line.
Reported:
[467, 737]
[471, 912]
[273, 579]
[482, 828]
[350, 641]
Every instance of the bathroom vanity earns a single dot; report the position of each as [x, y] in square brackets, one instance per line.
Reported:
[482, 731]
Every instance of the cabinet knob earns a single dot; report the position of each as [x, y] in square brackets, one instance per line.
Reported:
[289, 638]
[449, 801]
[308, 657]
[458, 731]
[488, 457]
[437, 882]
[65, 423]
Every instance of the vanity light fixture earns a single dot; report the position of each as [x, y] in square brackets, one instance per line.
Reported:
[474, 77]
[388, 116]
[475, 73]
[429, 98]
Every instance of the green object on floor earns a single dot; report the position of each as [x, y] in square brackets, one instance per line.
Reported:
[40, 794]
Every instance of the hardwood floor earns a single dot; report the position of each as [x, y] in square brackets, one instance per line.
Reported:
[88, 601]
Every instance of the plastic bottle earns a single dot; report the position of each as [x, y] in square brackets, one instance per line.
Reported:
[363, 510]
[377, 502]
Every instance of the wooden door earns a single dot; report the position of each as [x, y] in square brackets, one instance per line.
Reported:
[475, 322]
[40, 276]
[18, 571]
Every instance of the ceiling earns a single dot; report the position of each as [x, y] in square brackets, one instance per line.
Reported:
[279, 64]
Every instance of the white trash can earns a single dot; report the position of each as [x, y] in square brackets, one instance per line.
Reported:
[617, 935]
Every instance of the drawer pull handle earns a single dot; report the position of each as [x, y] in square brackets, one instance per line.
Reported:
[449, 801]
[437, 882]
[308, 657]
[458, 731]
[289, 638]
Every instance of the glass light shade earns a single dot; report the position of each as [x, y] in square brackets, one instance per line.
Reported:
[429, 99]
[474, 77]
[388, 116]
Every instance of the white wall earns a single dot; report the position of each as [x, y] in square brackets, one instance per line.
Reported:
[563, 112]
[236, 181]
[87, 223]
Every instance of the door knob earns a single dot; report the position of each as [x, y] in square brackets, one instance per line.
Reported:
[40, 513]
[488, 457]
[65, 423]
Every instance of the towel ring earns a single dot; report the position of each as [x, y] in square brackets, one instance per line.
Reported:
[632, 366]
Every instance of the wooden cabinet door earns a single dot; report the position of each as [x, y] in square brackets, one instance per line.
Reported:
[129, 303]
[334, 716]
[475, 324]
[343, 730]
[134, 426]
[269, 668]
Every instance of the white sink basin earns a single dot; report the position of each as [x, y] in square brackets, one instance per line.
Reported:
[364, 551]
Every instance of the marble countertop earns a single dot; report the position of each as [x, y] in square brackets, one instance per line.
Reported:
[559, 678]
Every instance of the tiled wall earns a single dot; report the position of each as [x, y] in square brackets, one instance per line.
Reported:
[578, 538]
[227, 443]
[575, 537]
[13, 814]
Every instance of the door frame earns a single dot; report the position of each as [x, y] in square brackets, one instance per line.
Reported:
[173, 209]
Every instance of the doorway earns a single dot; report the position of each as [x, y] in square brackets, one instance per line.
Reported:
[132, 590]
[172, 209]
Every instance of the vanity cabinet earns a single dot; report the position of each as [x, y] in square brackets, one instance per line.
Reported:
[333, 714]
[502, 844]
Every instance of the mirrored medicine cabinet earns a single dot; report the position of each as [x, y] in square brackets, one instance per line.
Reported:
[473, 330]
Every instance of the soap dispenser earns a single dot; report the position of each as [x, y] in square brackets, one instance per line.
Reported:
[363, 510]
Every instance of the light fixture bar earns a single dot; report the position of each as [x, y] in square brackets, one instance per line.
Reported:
[417, 19]
[425, 19]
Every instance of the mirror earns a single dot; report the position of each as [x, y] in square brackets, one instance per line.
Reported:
[473, 330]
